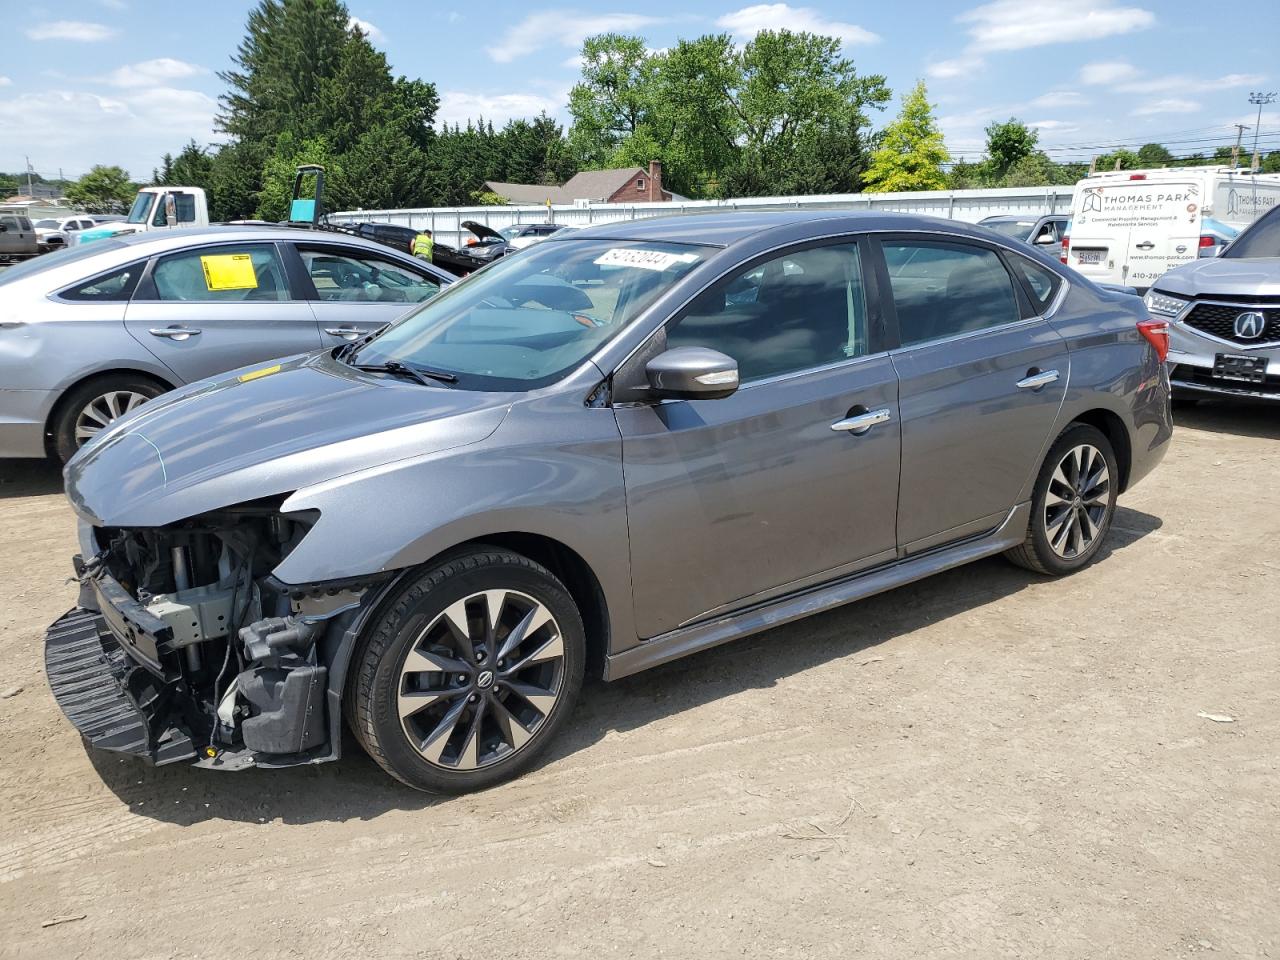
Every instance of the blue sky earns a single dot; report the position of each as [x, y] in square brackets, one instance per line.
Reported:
[122, 81]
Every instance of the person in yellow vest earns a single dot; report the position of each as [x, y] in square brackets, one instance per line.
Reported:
[423, 245]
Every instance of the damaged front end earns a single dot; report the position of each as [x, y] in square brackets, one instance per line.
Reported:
[184, 645]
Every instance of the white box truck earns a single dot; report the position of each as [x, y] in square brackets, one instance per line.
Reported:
[1130, 227]
[155, 208]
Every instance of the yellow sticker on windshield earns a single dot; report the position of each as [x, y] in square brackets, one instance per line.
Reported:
[229, 271]
[258, 374]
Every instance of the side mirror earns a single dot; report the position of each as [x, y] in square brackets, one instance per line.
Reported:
[3, 228]
[692, 373]
[1045, 239]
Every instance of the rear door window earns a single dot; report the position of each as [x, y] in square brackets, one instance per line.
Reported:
[943, 289]
[222, 274]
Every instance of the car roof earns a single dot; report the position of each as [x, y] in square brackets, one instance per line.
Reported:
[727, 228]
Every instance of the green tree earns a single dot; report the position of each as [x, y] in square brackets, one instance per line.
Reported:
[1271, 162]
[8, 184]
[785, 113]
[102, 189]
[1118, 160]
[911, 152]
[1154, 155]
[1008, 143]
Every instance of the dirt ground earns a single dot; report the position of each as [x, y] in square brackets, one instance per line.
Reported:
[984, 764]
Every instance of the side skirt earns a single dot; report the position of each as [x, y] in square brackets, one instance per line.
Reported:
[687, 640]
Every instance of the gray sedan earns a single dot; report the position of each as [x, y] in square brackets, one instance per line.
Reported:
[607, 452]
[91, 333]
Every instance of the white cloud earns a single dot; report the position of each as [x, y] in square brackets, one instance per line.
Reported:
[457, 106]
[152, 72]
[1054, 126]
[132, 128]
[950, 69]
[1126, 78]
[1097, 74]
[5, 82]
[562, 27]
[573, 63]
[747, 22]
[1060, 98]
[71, 30]
[1019, 24]
[114, 4]
[1170, 105]
[370, 30]
[454, 16]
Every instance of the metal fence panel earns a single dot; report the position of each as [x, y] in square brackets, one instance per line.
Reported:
[445, 223]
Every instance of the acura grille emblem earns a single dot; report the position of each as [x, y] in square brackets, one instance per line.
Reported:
[1249, 326]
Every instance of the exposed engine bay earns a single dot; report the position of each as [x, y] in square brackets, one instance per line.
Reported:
[214, 656]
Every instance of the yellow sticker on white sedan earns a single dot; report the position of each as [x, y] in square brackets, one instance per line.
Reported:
[643, 259]
[258, 374]
[229, 271]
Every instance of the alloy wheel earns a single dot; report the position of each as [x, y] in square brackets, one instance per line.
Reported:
[1076, 503]
[481, 680]
[99, 412]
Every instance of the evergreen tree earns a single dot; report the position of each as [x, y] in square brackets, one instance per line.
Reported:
[912, 152]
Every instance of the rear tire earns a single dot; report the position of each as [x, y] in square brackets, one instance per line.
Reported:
[89, 408]
[1072, 504]
[469, 674]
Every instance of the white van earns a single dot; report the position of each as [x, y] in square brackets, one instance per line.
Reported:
[1132, 226]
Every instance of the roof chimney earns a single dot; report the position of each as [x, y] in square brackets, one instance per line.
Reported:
[655, 180]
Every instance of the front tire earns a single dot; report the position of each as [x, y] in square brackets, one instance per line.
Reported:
[1072, 504]
[464, 680]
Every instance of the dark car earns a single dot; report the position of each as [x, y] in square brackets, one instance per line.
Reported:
[609, 451]
[458, 262]
[1046, 231]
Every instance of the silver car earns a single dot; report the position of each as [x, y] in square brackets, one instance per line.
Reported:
[1225, 317]
[89, 334]
[610, 451]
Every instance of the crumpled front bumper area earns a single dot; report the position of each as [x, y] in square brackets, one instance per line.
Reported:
[115, 703]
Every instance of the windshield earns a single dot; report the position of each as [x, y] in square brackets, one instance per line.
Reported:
[527, 321]
[1017, 229]
[1260, 239]
[61, 258]
[141, 204]
[47, 224]
[512, 231]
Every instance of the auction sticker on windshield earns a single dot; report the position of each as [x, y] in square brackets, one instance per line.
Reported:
[229, 271]
[643, 259]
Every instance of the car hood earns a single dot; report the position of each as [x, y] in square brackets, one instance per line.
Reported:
[1223, 276]
[483, 232]
[264, 431]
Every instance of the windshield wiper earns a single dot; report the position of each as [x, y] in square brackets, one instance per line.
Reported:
[421, 374]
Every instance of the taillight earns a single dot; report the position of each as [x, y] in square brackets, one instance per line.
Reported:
[1206, 242]
[1157, 334]
[1066, 248]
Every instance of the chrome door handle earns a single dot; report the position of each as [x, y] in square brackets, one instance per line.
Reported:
[1034, 381]
[346, 333]
[862, 422]
[173, 333]
[1145, 245]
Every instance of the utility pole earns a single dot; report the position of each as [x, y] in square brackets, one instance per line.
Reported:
[1235, 151]
[28, 159]
[1260, 99]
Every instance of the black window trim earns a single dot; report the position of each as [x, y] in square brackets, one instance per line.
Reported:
[308, 287]
[145, 291]
[630, 371]
[1026, 307]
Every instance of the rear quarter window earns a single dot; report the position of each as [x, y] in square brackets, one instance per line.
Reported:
[1041, 282]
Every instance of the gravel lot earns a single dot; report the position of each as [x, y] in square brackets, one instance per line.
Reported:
[983, 764]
